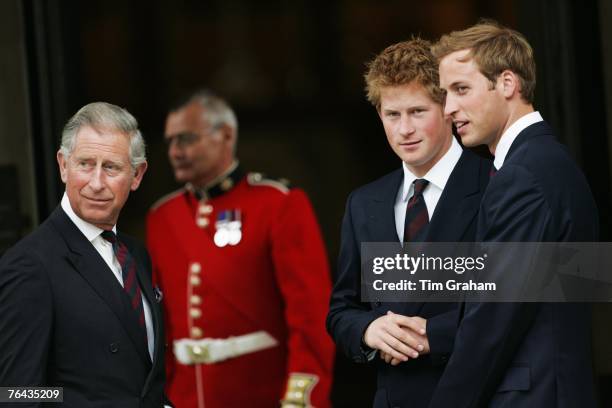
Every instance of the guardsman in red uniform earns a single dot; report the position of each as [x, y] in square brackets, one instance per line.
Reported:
[244, 273]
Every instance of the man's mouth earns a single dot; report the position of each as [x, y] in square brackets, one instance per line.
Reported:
[181, 166]
[411, 143]
[461, 126]
[460, 123]
[98, 200]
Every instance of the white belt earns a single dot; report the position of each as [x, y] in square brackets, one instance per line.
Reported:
[208, 351]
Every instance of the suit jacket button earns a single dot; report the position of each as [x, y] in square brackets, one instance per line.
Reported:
[113, 347]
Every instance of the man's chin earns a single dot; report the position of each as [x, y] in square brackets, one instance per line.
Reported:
[99, 218]
[182, 176]
[413, 160]
[470, 140]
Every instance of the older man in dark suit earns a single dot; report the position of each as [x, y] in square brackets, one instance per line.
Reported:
[77, 307]
[434, 197]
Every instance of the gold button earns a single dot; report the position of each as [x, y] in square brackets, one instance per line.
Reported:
[195, 280]
[195, 312]
[202, 222]
[196, 300]
[197, 350]
[227, 184]
[195, 267]
[206, 209]
[196, 332]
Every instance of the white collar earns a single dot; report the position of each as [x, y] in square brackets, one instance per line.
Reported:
[89, 230]
[503, 146]
[438, 175]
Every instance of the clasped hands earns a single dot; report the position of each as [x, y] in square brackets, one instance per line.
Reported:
[398, 338]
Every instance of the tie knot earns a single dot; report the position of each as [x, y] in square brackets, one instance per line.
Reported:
[419, 186]
[109, 236]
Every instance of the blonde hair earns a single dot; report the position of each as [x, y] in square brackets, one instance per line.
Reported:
[494, 48]
[401, 64]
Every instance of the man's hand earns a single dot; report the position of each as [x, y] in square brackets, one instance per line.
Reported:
[420, 322]
[397, 337]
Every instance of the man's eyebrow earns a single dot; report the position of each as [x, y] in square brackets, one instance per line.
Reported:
[455, 84]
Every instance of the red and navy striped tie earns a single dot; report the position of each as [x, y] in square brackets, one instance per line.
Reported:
[417, 217]
[128, 272]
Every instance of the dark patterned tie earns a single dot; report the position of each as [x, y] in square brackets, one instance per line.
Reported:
[492, 171]
[417, 218]
[128, 272]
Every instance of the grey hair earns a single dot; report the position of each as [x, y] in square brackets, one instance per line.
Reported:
[217, 111]
[105, 116]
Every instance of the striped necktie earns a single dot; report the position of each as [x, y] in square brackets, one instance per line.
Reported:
[417, 217]
[128, 273]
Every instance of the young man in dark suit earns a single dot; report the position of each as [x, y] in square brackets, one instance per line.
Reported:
[433, 197]
[516, 354]
[77, 307]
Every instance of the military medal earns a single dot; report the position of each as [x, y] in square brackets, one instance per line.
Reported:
[229, 228]
[221, 238]
[235, 229]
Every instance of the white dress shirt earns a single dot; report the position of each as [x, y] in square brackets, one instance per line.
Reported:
[105, 249]
[437, 176]
[503, 146]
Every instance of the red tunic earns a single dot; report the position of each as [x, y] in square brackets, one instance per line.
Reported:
[276, 279]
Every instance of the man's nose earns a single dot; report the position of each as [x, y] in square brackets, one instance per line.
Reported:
[96, 182]
[450, 105]
[406, 127]
[174, 148]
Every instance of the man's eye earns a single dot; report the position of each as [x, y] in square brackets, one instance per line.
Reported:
[187, 138]
[182, 139]
[462, 89]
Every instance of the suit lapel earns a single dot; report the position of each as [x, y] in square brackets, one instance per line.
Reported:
[381, 210]
[380, 213]
[146, 288]
[455, 211]
[458, 204]
[90, 265]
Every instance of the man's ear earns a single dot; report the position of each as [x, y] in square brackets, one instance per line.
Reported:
[228, 133]
[139, 172]
[510, 83]
[379, 111]
[229, 136]
[63, 166]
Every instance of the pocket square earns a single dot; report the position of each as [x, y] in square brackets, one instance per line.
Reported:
[159, 295]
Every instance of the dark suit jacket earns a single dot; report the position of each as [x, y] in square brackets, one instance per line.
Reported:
[370, 217]
[65, 322]
[527, 355]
